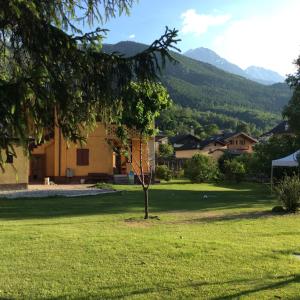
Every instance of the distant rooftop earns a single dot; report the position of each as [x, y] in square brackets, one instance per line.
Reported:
[282, 128]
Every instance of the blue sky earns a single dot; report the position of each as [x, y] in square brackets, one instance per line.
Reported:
[246, 32]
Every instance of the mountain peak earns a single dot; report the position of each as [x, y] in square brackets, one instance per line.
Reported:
[254, 73]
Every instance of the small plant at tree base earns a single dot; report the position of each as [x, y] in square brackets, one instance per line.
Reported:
[288, 191]
[163, 172]
[278, 209]
[201, 168]
[103, 186]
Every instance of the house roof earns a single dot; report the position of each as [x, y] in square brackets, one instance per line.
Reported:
[281, 128]
[180, 137]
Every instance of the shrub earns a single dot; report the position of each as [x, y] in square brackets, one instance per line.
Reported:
[288, 191]
[165, 150]
[179, 174]
[201, 168]
[163, 172]
[234, 169]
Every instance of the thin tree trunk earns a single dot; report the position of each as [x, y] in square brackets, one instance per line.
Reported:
[146, 201]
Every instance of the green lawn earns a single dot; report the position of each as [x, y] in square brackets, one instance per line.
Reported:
[225, 246]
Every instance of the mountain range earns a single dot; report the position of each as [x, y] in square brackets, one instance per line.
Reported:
[254, 73]
[209, 95]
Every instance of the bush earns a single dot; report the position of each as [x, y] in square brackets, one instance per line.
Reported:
[179, 174]
[165, 150]
[288, 191]
[201, 168]
[163, 172]
[234, 169]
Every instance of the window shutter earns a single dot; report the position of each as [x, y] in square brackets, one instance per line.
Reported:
[82, 157]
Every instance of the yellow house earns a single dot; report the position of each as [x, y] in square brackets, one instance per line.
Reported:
[15, 171]
[100, 159]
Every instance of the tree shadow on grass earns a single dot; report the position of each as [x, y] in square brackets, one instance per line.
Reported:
[119, 292]
[217, 217]
[279, 284]
[161, 200]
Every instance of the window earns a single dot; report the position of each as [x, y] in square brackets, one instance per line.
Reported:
[242, 142]
[231, 142]
[82, 157]
[9, 159]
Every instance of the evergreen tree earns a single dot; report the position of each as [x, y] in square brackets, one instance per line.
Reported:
[54, 74]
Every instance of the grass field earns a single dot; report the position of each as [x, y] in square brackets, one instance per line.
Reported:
[225, 246]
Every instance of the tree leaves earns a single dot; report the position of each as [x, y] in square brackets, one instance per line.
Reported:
[54, 78]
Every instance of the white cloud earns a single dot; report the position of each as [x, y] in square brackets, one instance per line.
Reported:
[271, 41]
[132, 36]
[199, 24]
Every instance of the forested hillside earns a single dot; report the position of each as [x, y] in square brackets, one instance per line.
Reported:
[206, 95]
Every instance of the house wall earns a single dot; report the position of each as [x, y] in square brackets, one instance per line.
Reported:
[100, 154]
[240, 143]
[207, 150]
[211, 147]
[186, 153]
[217, 154]
[15, 175]
[60, 155]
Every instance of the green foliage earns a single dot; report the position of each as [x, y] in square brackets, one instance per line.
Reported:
[234, 169]
[207, 95]
[163, 172]
[288, 191]
[292, 110]
[165, 150]
[274, 148]
[225, 157]
[179, 120]
[56, 75]
[201, 168]
[144, 102]
[243, 127]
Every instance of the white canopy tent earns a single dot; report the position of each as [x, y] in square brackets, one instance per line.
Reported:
[288, 161]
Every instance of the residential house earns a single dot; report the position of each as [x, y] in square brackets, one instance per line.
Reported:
[15, 171]
[186, 146]
[100, 159]
[282, 128]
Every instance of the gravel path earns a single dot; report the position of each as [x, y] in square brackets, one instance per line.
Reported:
[43, 191]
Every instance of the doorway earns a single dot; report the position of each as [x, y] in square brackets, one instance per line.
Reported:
[37, 168]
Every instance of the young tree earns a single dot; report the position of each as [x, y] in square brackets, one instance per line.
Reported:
[53, 74]
[145, 100]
